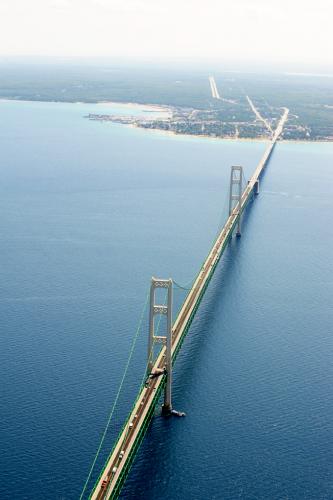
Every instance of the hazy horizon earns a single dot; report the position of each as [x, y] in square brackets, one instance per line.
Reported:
[280, 35]
[196, 65]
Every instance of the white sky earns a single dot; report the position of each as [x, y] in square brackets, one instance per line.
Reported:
[258, 30]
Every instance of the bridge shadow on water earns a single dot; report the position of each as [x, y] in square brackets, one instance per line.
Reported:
[213, 304]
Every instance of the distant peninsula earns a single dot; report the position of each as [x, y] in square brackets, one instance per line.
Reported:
[226, 104]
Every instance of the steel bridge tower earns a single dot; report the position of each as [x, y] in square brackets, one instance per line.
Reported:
[235, 193]
[157, 309]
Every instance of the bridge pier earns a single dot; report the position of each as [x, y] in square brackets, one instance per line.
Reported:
[157, 309]
[236, 179]
[256, 187]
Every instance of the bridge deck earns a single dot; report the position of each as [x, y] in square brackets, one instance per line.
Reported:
[111, 479]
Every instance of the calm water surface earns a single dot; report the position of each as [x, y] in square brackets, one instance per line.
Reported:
[89, 212]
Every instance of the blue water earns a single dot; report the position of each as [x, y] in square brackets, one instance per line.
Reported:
[89, 212]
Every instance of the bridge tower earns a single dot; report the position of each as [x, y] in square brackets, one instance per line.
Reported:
[157, 309]
[235, 193]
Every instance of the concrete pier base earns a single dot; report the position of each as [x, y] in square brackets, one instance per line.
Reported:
[256, 187]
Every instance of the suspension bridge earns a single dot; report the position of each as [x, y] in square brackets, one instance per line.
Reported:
[159, 370]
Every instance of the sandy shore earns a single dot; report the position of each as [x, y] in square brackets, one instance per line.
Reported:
[154, 108]
[135, 105]
[171, 133]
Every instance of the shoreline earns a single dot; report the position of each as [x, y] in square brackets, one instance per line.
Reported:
[218, 138]
[156, 108]
[172, 133]
[136, 105]
[167, 110]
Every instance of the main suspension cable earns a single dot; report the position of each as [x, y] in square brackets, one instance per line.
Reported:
[135, 338]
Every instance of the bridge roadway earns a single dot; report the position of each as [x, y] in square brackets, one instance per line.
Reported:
[112, 477]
